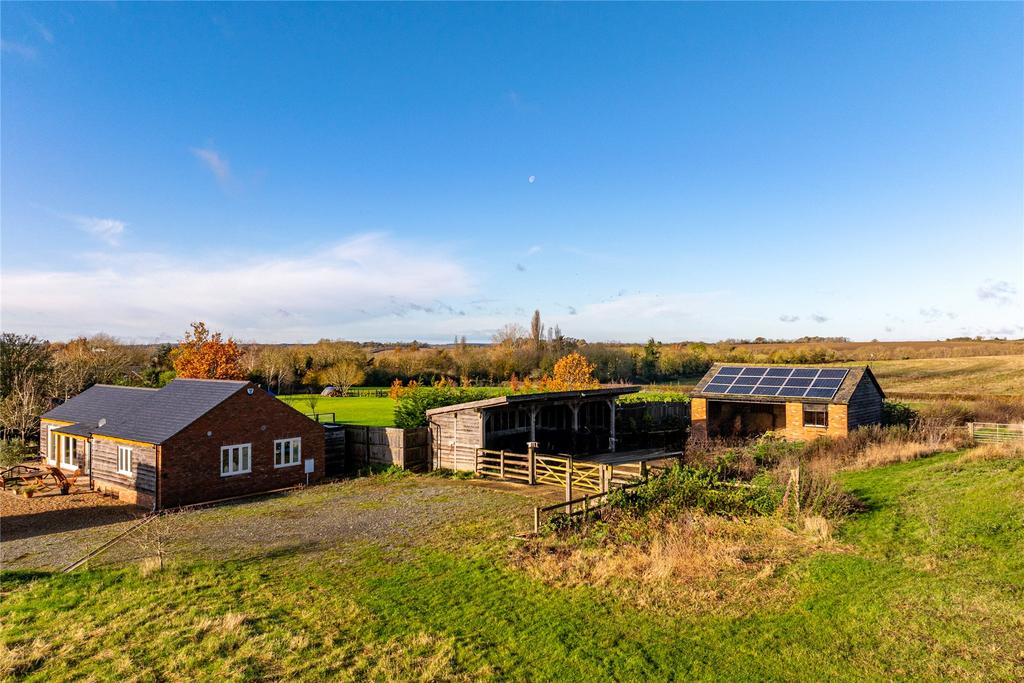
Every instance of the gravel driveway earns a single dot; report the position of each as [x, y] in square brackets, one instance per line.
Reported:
[391, 512]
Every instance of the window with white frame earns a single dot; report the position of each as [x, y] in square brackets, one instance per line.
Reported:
[287, 452]
[51, 445]
[235, 459]
[69, 452]
[124, 459]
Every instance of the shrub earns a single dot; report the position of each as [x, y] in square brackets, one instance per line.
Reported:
[896, 413]
[411, 409]
[14, 452]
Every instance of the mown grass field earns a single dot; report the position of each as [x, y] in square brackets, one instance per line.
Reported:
[926, 584]
[368, 411]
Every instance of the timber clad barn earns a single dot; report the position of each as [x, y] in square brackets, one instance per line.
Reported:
[578, 422]
[192, 441]
[800, 403]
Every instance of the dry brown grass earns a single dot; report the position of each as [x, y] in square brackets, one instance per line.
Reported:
[994, 451]
[878, 454]
[695, 560]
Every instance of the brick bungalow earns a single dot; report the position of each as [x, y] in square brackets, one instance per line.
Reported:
[191, 441]
[798, 403]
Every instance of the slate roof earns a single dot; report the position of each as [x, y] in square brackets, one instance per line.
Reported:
[843, 394]
[147, 415]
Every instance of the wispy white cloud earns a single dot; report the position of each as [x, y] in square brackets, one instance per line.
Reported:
[933, 313]
[44, 32]
[535, 249]
[107, 229]
[789, 318]
[819, 318]
[367, 286]
[1001, 292]
[213, 160]
[16, 48]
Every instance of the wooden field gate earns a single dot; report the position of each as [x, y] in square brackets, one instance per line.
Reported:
[563, 471]
[995, 432]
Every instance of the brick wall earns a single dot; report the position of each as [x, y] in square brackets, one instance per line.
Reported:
[699, 419]
[796, 430]
[190, 460]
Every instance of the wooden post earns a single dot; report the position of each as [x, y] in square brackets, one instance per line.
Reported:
[611, 441]
[501, 464]
[568, 485]
[586, 505]
[575, 408]
[536, 520]
[533, 423]
[970, 427]
[531, 453]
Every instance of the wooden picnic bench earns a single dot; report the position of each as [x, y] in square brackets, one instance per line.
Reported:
[20, 475]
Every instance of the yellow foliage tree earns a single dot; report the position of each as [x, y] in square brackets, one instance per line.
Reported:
[202, 355]
[572, 372]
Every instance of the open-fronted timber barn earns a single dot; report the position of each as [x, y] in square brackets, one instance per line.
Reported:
[575, 422]
[799, 403]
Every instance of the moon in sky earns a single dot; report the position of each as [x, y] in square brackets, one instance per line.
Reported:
[532, 178]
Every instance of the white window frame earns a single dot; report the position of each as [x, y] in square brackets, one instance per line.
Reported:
[52, 441]
[230, 471]
[65, 462]
[294, 452]
[125, 455]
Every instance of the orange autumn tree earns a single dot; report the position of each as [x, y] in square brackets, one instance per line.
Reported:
[572, 372]
[202, 355]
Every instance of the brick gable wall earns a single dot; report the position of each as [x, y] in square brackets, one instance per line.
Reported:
[190, 461]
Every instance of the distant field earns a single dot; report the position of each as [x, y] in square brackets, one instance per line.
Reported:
[371, 412]
[978, 375]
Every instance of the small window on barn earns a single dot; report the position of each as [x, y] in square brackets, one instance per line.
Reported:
[235, 459]
[815, 415]
[287, 452]
[124, 459]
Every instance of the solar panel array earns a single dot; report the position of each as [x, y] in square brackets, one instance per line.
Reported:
[787, 382]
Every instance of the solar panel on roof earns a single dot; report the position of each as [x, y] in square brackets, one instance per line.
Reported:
[820, 393]
[788, 382]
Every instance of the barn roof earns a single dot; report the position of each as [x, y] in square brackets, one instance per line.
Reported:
[147, 415]
[537, 398]
[853, 378]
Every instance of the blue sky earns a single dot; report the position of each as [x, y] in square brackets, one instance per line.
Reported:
[290, 172]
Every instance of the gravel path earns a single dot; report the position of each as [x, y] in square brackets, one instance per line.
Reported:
[51, 531]
[392, 513]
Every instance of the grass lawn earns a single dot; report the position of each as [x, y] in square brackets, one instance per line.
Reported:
[371, 412]
[927, 584]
